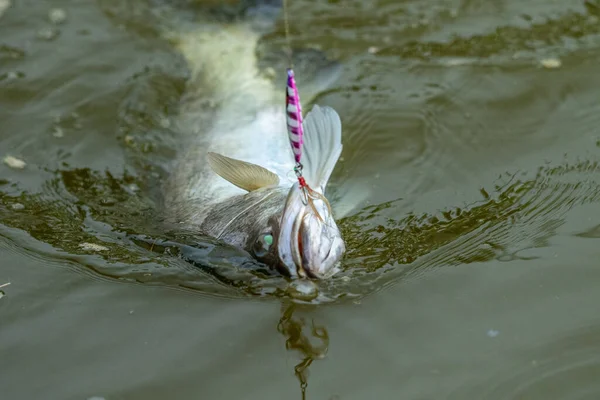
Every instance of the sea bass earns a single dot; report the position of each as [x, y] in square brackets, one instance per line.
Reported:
[233, 179]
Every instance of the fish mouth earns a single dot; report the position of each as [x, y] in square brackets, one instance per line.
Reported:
[310, 244]
[320, 256]
[302, 268]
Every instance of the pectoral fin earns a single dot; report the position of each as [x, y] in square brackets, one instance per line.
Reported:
[242, 174]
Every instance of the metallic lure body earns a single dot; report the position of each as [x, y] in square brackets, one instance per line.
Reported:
[294, 116]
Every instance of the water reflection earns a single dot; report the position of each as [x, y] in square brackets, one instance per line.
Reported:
[301, 337]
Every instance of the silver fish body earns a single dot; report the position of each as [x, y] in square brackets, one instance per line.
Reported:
[233, 110]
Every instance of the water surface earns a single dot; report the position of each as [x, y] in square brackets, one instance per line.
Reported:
[472, 272]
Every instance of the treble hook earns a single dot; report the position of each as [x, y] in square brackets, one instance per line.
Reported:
[301, 182]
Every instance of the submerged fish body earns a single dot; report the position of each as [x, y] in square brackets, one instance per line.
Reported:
[233, 179]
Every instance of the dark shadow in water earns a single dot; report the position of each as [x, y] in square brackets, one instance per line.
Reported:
[301, 337]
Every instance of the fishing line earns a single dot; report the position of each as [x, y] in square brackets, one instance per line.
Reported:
[286, 25]
[293, 109]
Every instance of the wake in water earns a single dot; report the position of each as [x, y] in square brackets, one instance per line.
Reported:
[518, 215]
[106, 223]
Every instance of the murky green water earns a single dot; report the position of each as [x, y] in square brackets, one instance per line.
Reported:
[472, 270]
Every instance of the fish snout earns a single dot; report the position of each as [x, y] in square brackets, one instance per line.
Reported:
[321, 246]
[310, 243]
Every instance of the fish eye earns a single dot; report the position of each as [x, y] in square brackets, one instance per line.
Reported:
[263, 244]
[268, 239]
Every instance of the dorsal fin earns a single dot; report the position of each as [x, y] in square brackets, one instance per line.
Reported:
[242, 174]
[322, 145]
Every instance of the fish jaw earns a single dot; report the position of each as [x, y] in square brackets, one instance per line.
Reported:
[310, 244]
[321, 245]
[289, 228]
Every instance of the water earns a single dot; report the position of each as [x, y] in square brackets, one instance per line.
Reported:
[472, 265]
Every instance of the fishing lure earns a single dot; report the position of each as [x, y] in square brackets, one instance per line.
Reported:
[293, 109]
[294, 116]
[295, 133]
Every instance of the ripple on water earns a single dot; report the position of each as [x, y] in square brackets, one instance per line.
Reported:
[520, 214]
[515, 214]
[529, 41]
[566, 368]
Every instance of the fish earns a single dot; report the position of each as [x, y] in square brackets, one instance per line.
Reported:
[233, 178]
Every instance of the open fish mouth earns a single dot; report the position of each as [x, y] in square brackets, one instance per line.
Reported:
[310, 244]
[320, 245]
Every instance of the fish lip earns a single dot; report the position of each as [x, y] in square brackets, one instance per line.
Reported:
[290, 246]
[312, 274]
[288, 250]
[316, 273]
[302, 270]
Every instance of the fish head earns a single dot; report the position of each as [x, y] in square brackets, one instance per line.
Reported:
[295, 231]
[296, 234]
[289, 230]
[250, 222]
[310, 244]
[264, 230]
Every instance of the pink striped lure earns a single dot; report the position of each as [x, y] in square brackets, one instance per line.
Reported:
[293, 110]
[294, 117]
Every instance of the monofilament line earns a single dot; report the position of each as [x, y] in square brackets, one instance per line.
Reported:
[287, 32]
